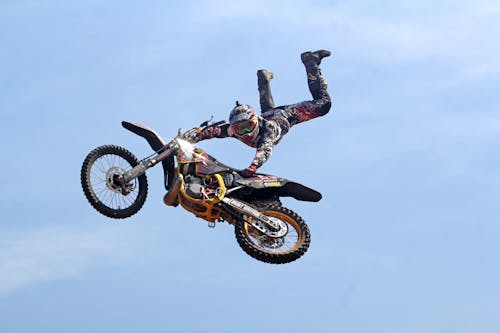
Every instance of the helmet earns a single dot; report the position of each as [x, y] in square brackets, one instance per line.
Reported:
[244, 123]
[241, 112]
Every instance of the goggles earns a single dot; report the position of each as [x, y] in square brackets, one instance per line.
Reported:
[246, 126]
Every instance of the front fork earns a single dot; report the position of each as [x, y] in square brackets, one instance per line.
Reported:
[269, 226]
[143, 165]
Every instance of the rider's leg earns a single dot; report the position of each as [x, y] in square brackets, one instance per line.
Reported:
[317, 84]
[321, 103]
[266, 98]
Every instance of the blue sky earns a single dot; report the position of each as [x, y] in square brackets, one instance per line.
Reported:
[405, 239]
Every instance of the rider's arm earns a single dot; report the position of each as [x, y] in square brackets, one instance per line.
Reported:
[264, 151]
[214, 132]
[270, 136]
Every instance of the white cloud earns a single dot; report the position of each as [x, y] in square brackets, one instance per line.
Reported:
[53, 253]
[454, 31]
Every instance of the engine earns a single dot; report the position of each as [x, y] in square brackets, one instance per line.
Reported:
[194, 186]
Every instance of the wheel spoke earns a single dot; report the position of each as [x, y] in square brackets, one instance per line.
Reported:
[99, 165]
[110, 197]
[99, 178]
[278, 245]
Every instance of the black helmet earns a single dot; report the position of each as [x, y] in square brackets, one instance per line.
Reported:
[241, 112]
[244, 123]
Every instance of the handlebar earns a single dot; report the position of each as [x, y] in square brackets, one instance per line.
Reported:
[218, 123]
[208, 123]
[191, 135]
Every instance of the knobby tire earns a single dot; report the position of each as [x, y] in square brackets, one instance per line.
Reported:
[85, 177]
[260, 253]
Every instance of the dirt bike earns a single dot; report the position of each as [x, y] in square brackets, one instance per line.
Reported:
[115, 184]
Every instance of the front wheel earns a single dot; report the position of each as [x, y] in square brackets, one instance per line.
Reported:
[272, 250]
[100, 178]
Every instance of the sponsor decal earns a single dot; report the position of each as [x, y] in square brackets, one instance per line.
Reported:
[272, 184]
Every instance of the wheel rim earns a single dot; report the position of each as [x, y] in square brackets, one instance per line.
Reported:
[288, 243]
[102, 175]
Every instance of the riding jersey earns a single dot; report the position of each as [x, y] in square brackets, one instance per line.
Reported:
[274, 124]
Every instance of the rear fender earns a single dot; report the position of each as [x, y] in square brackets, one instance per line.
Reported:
[281, 187]
[299, 192]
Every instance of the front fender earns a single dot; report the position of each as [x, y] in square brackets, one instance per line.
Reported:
[156, 143]
[153, 138]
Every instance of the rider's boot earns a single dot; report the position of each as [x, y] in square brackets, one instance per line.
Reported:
[314, 57]
[317, 83]
[265, 97]
[264, 75]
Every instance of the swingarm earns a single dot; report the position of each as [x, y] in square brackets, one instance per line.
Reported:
[269, 226]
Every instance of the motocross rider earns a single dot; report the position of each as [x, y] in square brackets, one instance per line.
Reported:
[265, 131]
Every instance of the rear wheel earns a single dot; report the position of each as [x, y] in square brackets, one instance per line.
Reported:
[273, 250]
[100, 175]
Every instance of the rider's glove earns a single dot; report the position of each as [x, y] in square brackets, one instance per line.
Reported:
[209, 132]
[250, 171]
